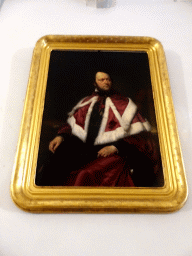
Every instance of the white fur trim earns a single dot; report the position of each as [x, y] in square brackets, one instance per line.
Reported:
[124, 120]
[139, 127]
[129, 114]
[120, 133]
[116, 113]
[88, 116]
[103, 137]
[80, 104]
[111, 136]
[76, 129]
[147, 125]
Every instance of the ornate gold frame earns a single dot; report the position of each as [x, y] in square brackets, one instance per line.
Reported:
[30, 197]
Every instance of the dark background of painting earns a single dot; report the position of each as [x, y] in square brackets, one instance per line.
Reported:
[71, 77]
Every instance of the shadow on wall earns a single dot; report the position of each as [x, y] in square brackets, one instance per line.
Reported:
[101, 3]
[1, 3]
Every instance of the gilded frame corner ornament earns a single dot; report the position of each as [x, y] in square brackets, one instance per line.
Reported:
[168, 198]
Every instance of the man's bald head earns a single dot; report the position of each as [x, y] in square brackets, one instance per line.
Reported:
[103, 81]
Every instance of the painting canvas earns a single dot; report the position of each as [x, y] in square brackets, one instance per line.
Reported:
[71, 78]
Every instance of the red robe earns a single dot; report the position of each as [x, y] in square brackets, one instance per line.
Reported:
[121, 121]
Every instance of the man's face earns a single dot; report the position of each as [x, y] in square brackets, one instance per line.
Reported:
[103, 81]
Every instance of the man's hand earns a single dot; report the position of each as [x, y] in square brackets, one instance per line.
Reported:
[54, 144]
[106, 151]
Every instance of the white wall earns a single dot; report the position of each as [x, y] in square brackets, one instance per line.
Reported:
[22, 23]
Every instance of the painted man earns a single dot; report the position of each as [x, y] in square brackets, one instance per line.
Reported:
[105, 142]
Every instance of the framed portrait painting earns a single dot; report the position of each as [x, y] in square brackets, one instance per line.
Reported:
[98, 132]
